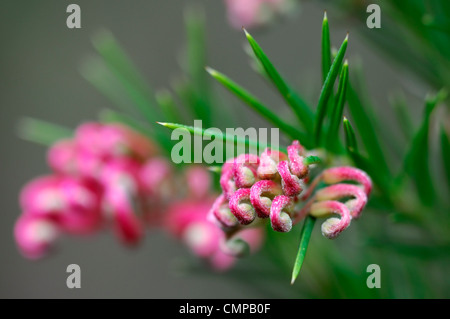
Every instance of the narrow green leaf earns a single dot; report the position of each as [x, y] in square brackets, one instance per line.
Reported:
[125, 71]
[200, 102]
[416, 163]
[215, 169]
[167, 105]
[254, 103]
[361, 161]
[326, 47]
[95, 71]
[402, 115]
[338, 110]
[196, 49]
[225, 137]
[365, 124]
[350, 137]
[300, 108]
[42, 132]
[445, 149]
[312, 160]
[305, 235]
[327, 89]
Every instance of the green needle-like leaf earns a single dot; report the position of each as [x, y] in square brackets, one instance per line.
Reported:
[42, 132]
[312, 160]
[215, 169]
[254, 103]
[167, 105]
[300, 108]
[350, 138]
[338, 110]
[445, 149]
[417, 158]
[327, 90]
[199, 87]
[119, 63]
[366, 129]
[362, 162]
[225, 137]
[402, 115]
[305, 235]
[326, 47]
[95, 71]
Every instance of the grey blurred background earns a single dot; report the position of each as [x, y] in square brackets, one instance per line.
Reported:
[39, 77]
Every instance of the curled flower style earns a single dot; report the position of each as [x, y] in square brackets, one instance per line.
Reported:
[281, 213]
[189, 221]
[271, 188]
[326, 201]
[261, 187]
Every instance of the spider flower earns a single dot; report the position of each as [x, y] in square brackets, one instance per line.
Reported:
[252, 184]
[188, 221]
[107, 174]
[272, 187]
[345, 200]
[256, 13]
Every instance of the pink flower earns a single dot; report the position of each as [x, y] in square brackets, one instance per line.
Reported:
[188, 221]
[251, 184]
[198, 182]
[35, 235]
[325, 201]
[74, 204]
[112, 140]
[107, 171]
[254, 13]
[271, 187]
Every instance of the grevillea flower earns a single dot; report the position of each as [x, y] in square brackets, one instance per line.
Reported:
[255, 13]
[106, 174]
[74, 204]
[35, 235]
[326, 202]
[188, 221]
[271, 186]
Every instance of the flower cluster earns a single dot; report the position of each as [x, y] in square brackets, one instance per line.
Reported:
[187, 220]
[106, 174]
[271, 186]
[255, 13]
[109, 175]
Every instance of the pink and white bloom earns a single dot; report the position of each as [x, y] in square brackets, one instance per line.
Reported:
[327, 201]
[272, 185]
[35, 236]
[105, 173]
[74, 204]
[255, 13]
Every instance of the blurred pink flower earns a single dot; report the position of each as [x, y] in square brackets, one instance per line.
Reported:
[187, 221]
[255, 13]
[106, 173]
[74, 204]
[35, 235]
